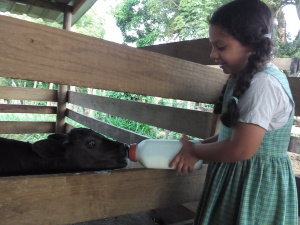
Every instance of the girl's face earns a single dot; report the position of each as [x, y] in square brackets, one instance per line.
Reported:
[231, 55]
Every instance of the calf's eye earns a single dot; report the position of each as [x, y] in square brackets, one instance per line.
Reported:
[91, 144]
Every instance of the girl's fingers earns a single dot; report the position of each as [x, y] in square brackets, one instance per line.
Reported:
[184, 138]
[174, 161]
[179, 167]
[190, 169]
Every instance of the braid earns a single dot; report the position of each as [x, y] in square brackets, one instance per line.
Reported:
[232, 17]
[218, 105]
[243, 80]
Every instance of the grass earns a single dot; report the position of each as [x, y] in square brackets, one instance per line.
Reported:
[26, 117]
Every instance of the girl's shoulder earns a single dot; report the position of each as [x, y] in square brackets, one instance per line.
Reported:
[264, 79]
[267, 76]
[265, 102]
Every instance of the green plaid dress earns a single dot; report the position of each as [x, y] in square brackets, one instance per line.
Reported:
[258, 191]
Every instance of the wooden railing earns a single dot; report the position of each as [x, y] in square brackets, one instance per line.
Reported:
[35, 52]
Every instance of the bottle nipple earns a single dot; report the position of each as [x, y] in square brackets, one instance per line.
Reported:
[132, 152]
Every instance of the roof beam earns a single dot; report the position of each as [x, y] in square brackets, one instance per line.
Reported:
[44, 4]
[78, 5]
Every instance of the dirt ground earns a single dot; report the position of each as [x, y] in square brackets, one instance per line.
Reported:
[295, 161]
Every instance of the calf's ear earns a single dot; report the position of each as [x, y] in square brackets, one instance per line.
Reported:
[49, 149]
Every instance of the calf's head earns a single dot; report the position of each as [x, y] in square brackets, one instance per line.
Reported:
[84, 149]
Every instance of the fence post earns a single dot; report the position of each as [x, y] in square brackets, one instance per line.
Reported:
[62, 89]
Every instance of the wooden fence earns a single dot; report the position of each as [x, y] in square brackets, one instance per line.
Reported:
[36, 52]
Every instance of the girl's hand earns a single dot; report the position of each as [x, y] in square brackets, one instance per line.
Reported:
[185, 158]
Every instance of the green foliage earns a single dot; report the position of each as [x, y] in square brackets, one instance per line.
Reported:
[90, 24]
[145, 21]
[139, 128]
[289, 49]
[25, 137]
[192, 19]
[142, 21]
[124, 95]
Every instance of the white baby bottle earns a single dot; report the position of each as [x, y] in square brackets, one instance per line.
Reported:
[157, 153]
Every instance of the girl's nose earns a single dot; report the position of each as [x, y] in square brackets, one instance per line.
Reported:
[214, 54]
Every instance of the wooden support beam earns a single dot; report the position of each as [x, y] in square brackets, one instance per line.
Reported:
[33, 94]
[73, 198]
[77, 6]
[61, 109]
[199, 50]
[192, 122]
[62, 89]
[294, 85]
[18, 127]
[69, 127]
[83, 61]
[9, 108]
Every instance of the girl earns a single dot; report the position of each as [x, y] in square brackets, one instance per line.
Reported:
[249, 179]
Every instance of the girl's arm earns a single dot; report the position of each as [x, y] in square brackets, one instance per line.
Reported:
[210, 139]
[243, 144]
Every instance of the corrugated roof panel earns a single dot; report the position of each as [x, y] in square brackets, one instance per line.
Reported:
[50, 10]
[51, 15]
[6, 5]
[20, 8]
[36, 12]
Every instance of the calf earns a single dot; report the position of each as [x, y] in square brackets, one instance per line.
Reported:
[79, 150]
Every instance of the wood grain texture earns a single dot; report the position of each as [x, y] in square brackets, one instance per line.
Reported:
[71, 198]
[33, 94]
[16, 127]
[36, 52]
[199, 50]
[9, 108]
[295, 88]
[192, 122]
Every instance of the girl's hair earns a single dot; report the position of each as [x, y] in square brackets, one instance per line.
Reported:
[249, 22]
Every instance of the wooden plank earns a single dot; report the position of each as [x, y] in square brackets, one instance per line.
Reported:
[283, 63]
[17, 127]
[69, 127]
[37, 52]
[9, 108]
[109, 130]
[66, 198]
[61, 108]
[62, 89]
[33, 94]
[78, 5]
[294, 145]
[192, 122]
[295, 88]
[199, 50]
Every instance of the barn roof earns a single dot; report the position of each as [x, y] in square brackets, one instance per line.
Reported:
[48, 10]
